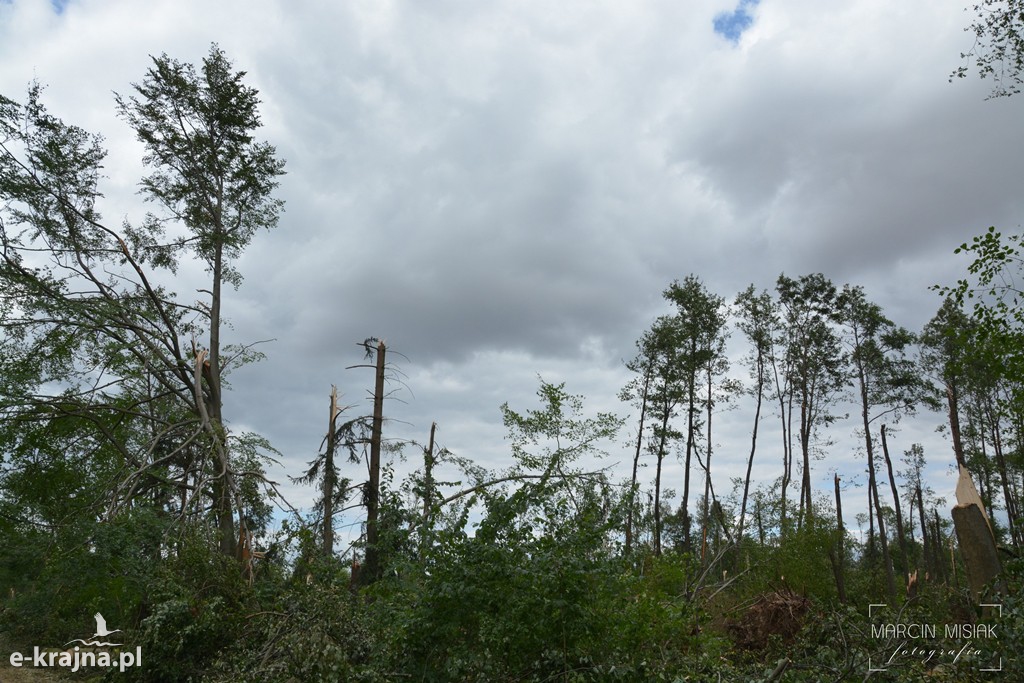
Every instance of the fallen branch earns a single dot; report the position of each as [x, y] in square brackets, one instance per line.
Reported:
[514, 477]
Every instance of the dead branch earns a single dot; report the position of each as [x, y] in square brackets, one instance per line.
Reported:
[515, 477]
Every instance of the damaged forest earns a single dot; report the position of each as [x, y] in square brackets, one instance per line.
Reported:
[126, 493]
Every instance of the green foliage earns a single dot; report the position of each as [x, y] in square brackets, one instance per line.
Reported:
[1009, 619]
[998, 50]
[536, 591]
[180, 638]
[557, 429]
[120, 485]
[535, 595]
[801, 562]
[106, 567]
[109, 416]
[888, 377]
[992, 298]
[190, 610]
[208, 171]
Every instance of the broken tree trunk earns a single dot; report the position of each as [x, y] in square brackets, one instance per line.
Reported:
[753, 446]
[977, 548]
[837, 564]
[371, 568]
[330, 476]
[428, 494]
[208, 407]
[428, 478]
[890, 580]
[940, 562]
[898, 509]
[975, 537]
[631, 512]
[927, 552]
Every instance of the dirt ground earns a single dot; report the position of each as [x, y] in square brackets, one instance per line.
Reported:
[26, 674]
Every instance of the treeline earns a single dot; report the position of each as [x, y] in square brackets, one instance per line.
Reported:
[123, 490]
[814, 350]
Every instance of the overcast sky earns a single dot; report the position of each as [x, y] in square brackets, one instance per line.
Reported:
[503, 189]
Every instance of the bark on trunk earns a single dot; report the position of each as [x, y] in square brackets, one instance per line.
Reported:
[371, 568]
[428, 475]
[685, 509]
[753, 448]
[927, 552]
[897, 508]
[330, 477]
[707, 473]
[805, 449]
[840, 553]
[787, 460]
[657, 485]
[223, 486]
[631, 512]
[1012, 518]
[954, 424]
[940, 562]
[890, 579]
[978, 548]
[428, 493]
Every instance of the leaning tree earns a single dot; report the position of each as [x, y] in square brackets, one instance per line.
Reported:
[87, 319]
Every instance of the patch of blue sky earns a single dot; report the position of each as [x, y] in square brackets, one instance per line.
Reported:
[731, 25]
[59, 5]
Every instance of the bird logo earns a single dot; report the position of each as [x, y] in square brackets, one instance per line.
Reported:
[101, 632]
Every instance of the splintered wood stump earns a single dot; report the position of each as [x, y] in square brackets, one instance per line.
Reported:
[977, 547]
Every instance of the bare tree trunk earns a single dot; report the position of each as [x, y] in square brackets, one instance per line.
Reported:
[657, 485]
[840, 549]
[871, 526]
[940, 564]
[428, 492]
[330, 477]
[1012, 518]
[760, 522]
[223, 485]
[428, 478]
[691, 408]
[220, 487]
[954, 425]
[927, 551]
[631, 511]
[898, 509]
[707, 473]
[986, 489]
[371, 568]
[753, 446]
[787, 458]
[890, 579]
[805, 449]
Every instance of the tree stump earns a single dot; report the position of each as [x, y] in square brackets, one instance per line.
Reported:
[977, 546]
